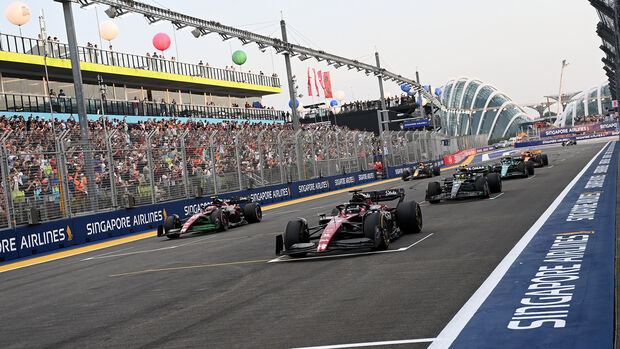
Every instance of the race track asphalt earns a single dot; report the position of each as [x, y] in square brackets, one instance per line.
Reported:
[218, 291]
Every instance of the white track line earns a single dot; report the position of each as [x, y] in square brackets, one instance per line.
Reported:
[498, 195]
[458, 322]
[402, 249]
[371, 344]
[532, 177]
[109, 255]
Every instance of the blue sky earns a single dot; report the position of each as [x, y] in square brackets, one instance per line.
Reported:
[516, 46]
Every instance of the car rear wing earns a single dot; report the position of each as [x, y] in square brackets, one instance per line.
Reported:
[383, 195]
[239, 200]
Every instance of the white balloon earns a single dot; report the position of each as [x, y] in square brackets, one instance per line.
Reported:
[108, 30]
[18, 13]
[300, 108]
[387, 95]
[339, 96]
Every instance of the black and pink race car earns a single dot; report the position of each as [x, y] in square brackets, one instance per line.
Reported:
[217, 215]
[363, 222]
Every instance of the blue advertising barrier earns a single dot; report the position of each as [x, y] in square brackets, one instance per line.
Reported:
[559, 291]
[25, 241]
[564, 139]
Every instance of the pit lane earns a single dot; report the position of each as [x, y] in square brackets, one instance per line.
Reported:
[219, 291]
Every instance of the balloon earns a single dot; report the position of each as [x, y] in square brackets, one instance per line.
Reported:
[108, 30]
[387, 95]
[239, 57]
[161, 41]
[405, 88]
[411, 92]
[438, 91]
[427, 88]
[333, 103]
[339, 96]
[300, 108]
[18, 13]
[290, 104]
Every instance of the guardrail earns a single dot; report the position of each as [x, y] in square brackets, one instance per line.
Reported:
[31, 46]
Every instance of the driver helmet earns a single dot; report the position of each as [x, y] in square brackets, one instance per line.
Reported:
[358, 197]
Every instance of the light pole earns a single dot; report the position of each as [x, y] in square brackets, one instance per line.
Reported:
[560, 108]
[47, 78]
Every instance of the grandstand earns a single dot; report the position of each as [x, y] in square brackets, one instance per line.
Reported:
[137, 86]
[590, 105]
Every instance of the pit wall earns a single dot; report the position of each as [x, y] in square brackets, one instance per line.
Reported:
[29, 240]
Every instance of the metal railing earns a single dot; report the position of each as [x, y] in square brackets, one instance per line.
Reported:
[31, 46]
[41, 104]
[46, 170]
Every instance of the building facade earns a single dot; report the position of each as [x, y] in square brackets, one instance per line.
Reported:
[593, 102]
[474, 107]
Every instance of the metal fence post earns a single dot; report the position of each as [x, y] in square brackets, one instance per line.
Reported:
[238, 162]
[213, 165]
[327, 155]
[63, 179]
[301, 157]
[281, 157]
[8, 195]
[108, 142]
[261, 157]
[314, 159]
[149, 150]
[185, 172]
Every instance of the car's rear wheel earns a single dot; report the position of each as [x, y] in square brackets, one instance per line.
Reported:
[296, 232]
[495, 182]
[437, 171]
[409, 217]
[545, 159]
[434, 189]
[375, 228]
[172, 222]
[253, 212]
[523, 169]
[406, 174]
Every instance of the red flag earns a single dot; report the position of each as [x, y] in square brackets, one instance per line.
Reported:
[328, 85]
[322, 82]
[315, 84]
[309, 83]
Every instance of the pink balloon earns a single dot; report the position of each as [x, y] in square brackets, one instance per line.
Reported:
[161, 41]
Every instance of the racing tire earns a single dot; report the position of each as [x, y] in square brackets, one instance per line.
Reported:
[436, 171]
[481, 184]
[495, 182]
[434, 188]
[172, 222]
[374, 230]
[409, 217]
[530, 167]
[296, 232]
[253, 212]
[220, 217]
[406, 174]
[523, 168]
[545, 159]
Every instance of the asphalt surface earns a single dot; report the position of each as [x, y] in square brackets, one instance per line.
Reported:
[218, 291]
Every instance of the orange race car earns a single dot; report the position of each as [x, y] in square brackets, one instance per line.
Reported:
[536, 157]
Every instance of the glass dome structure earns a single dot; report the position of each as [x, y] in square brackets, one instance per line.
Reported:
[474, 107]
[594, 101]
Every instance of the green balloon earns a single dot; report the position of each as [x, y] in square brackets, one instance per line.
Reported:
[239, 57]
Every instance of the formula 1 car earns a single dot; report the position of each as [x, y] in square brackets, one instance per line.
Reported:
[537, 157]
[569, 143]
[421, 170]
[217, 215]
[513, 166]
[363, 222]
[467, 182]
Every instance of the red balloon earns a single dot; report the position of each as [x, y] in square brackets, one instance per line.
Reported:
[161, 41]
